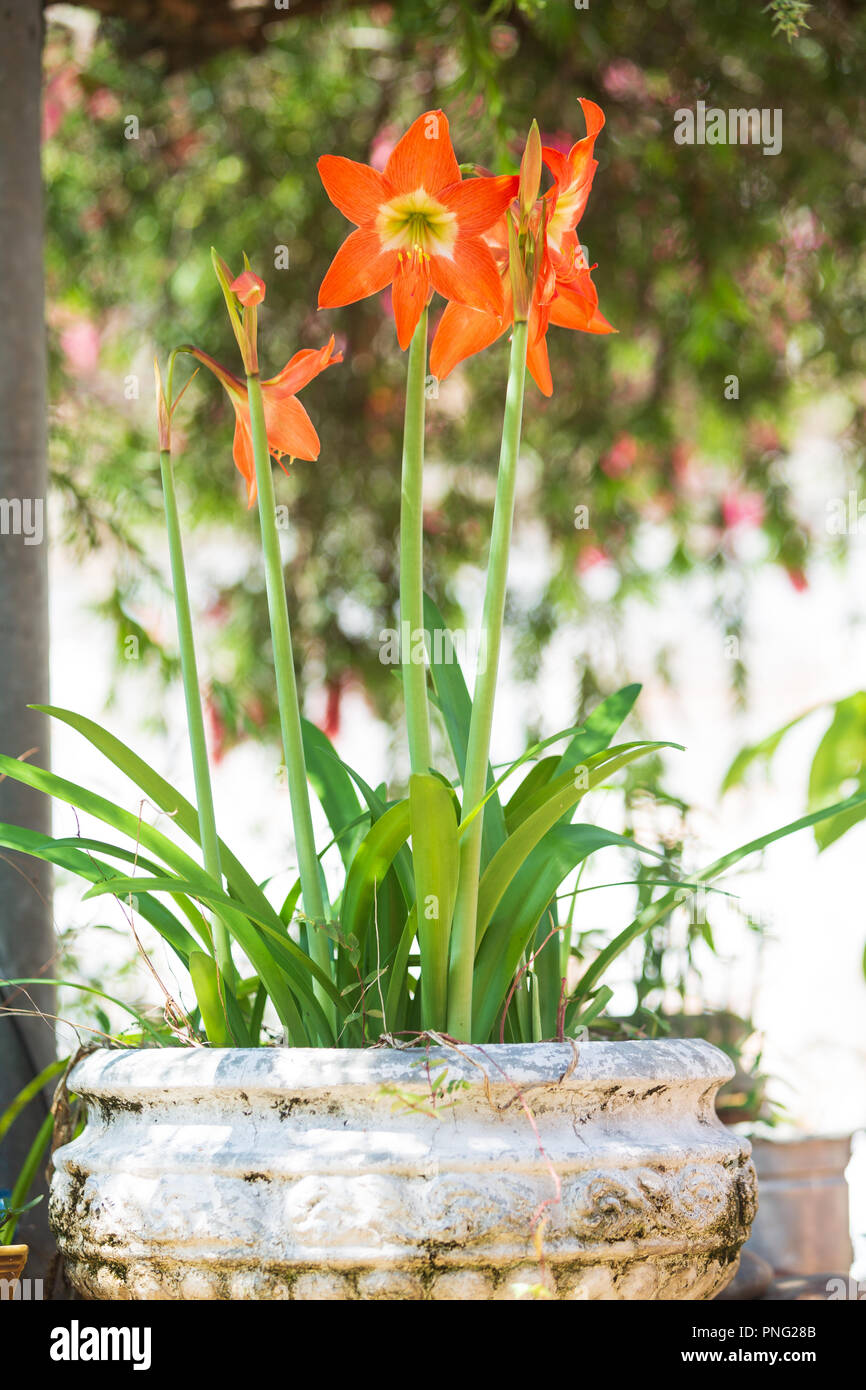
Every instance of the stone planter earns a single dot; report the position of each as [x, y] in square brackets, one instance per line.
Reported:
[274, 1174]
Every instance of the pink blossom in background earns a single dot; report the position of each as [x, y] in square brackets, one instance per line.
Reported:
[382, 145]
[559, 140]
[805, 233]
[591, 556]
[255, 711]
[798, 579]
[764, 436]
[681, 460]
[61, 94]
[504, 40]
[218, 730]
[742, 509]
[79, 344]
[92, 219]
[620, 457]
[624, 80]
[102, 104]
[182, 149]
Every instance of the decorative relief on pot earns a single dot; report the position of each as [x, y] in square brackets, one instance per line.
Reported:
[290, 1174]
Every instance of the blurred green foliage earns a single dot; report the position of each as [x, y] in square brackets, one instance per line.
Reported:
[714, 262]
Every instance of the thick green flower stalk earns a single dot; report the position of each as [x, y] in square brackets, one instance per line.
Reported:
[189, 668]
[412, 555]
[475, 778]
[269, 420]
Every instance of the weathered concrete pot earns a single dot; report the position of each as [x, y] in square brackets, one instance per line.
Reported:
[269, 1173]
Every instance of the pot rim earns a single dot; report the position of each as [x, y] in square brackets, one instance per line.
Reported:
[677, 1061]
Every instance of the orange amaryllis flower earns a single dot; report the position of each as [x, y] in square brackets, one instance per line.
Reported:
[562, 294]
[420, 227]
[290, 429]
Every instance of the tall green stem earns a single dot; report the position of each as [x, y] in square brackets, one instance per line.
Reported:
[287, 691]
[194, 718]
[478, 751]
[412, 555]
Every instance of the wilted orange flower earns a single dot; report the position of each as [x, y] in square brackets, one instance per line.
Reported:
[419, 227]
[290, 429]
[563, 293]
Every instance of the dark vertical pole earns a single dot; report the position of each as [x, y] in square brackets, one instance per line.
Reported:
[26, 936]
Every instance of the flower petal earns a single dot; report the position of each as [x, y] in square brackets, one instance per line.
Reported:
[249, 288]
[409, 296]
[242, 452]
[360, 268]
[301, 369]
[424, 157]
[575, 305]
[356, 189]
[461, 333]
[469, 275]
[290, 429]
[594, 117]
[479, 203]
[539, 365]
[574, 173]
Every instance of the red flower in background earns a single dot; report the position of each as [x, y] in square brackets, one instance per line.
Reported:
[621, 456]
[419, 227]
[563, 293]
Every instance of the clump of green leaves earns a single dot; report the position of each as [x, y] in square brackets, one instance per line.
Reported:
[789, 16]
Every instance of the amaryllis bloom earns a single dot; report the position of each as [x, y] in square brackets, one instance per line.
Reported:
[419, 227]
[563, 291]
[290, 429]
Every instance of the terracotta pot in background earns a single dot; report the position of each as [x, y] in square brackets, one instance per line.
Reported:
[802, 1226]
[13, 1258]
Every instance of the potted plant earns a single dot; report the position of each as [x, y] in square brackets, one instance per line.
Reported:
[804, 1224]
[15, 1203]
[430, 1121]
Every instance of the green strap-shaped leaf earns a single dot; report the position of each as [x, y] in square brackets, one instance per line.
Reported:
[523, 912]
[212, 997]
[278, 961]
[588, 767]
[397, 996]
[659, 909]
[558, 798]
[373, 858]
[135, 1013]
[92, 870]
[435, 857]
[760, 752]
[332, 785]
[538, 776]
[599, 727]
[378, 806]
[840, 758]
[455, 706]
[168, 799]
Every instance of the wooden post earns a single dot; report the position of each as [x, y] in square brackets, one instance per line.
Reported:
[26, 934]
